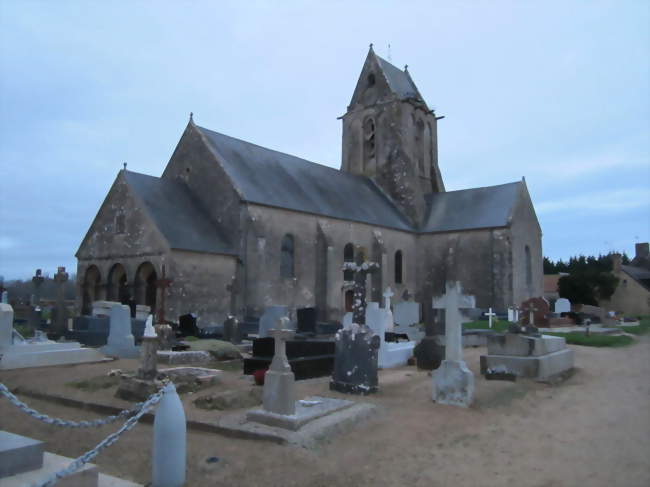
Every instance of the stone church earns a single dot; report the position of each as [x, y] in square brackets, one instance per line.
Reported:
[235, 227]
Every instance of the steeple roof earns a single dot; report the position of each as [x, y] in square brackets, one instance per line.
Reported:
[388, 79]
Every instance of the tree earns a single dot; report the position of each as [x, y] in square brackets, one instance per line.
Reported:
[587, 287]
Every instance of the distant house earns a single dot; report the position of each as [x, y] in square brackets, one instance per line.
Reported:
[551, 290]
[632, 295]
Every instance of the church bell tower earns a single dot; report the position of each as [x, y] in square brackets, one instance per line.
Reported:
[390, 135]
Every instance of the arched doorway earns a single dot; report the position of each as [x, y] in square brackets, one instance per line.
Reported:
[117, 289]
[91, 289]
[145, 285]
[349, 300]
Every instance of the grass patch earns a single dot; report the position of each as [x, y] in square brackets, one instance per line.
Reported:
[579, 338]
[95, 383]
[24, 330]
[498, 326]
[191, 339]
[642, 329]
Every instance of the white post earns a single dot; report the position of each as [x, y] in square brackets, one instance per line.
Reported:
[169, 441]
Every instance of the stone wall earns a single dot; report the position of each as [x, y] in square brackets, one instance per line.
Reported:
[526, 232]
[319, 244]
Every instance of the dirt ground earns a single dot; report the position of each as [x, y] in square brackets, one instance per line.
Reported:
[593, 429]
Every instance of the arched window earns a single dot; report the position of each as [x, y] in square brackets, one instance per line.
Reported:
[91, 289]
[348, 256]
[117, 287]
[349, 300]
[120, 223]
[371, 79]
[145, 285]
[287, 256]
[419, 145]
[368, 140]
[529, 267]
[398, 267]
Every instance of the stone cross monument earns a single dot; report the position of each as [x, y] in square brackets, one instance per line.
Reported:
[453, 382]
[60, 318]
[279, 383]
[361, 268]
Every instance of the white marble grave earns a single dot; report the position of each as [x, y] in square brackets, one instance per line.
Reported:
[16, 353]
[407, 319]
[120, 341]
[347, 320]
[562, 305]
[379, 320]
[453, 382]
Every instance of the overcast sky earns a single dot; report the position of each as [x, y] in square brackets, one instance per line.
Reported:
[555, 92]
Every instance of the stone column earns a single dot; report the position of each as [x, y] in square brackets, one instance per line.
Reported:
[279, 383]
[60, 315]
[148, 368]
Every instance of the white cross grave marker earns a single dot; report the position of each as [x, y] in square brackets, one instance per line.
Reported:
[490, 314]
[388, 293]
[453, 382]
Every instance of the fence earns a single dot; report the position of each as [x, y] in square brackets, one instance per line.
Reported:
[169, 436]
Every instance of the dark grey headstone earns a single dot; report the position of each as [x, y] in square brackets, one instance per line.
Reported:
[306, 320]
[429, 354]
[232, 332]
[355, 363]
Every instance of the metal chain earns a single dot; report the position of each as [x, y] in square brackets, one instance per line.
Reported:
[106, 442]
[63, 422]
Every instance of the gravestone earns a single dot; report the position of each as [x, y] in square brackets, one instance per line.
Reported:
[512, 355]
[148, 369]
[232, 332]
[390, 319]
[279, 382]
[535, 312]
[37, 352]
[270, 318]
[347, 320]
[356, 362]
[60, 310]
[453, 382]
[120, 341]
[513, 314]
[490, 314]
[562, 305]
[5, 297]
[187, 325]
[306, 320]
[379, 320]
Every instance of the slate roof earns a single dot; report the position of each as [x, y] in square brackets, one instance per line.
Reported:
[467, 209]
[272, 178]
[639, 274]
[399, 81]
[178, 216]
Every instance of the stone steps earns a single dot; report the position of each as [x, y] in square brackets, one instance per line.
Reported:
[23, 461]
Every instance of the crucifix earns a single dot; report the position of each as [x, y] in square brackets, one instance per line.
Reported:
[453, 382]
[490, 314]
[361, 268]
[453, 301]
[279, 395]
[163, 283]
[531, 314]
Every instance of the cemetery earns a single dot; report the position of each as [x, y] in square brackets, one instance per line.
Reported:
[209, 310]
[292, 384]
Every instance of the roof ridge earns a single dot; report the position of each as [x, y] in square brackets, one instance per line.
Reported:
[338, 171]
